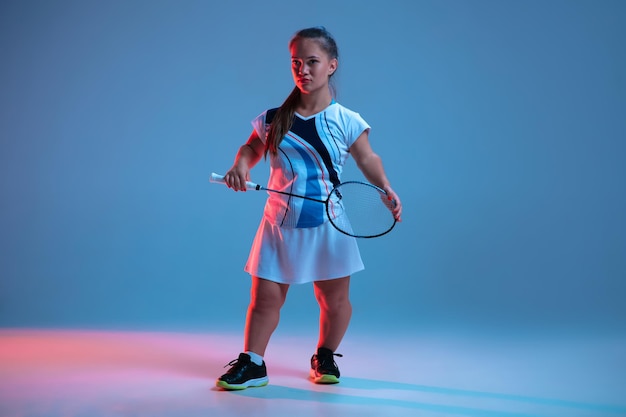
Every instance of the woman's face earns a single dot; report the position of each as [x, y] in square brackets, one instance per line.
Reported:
[310, 65]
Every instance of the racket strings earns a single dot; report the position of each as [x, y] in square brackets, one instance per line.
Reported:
[360, 209]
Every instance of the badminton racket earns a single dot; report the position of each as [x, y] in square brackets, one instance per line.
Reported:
[355, 208]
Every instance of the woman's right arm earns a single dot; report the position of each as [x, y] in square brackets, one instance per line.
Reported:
[247, 157]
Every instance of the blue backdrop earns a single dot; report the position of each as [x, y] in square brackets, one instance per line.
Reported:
[502, 125]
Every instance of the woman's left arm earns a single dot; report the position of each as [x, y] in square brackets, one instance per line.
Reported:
[371, 165]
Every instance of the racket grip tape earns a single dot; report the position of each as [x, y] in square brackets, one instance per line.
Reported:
[217, 178]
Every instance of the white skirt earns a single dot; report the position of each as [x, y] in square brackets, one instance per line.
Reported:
[301, 255]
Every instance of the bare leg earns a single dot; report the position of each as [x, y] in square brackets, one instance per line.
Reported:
[266, 300]
[335, 311]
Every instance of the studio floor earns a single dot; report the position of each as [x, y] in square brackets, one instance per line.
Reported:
[96, 373]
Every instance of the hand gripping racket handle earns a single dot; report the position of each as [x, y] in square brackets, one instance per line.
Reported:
[217, 178]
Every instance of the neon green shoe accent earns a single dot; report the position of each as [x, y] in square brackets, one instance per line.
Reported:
[261, 382]
[324, 378]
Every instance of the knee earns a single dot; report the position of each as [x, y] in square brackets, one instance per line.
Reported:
[266, 302]
[267, 295]
[334, 302]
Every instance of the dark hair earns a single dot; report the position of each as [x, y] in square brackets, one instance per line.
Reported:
[281, 123]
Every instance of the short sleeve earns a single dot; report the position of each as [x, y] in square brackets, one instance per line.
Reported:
[260, 127]
[354, 127]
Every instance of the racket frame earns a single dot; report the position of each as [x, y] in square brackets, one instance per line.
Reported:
[217, 178]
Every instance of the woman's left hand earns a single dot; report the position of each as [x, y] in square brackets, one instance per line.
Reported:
[397, 210]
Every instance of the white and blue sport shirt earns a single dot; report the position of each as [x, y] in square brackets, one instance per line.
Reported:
[309, 162]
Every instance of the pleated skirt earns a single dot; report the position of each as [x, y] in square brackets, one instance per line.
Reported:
[301, 255]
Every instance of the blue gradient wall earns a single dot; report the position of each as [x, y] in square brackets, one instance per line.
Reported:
[501, 124]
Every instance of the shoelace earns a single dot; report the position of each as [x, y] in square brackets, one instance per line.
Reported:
[234, 363]
[231, 363]
[328, 360]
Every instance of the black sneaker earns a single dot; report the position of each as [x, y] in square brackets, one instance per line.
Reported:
[324, 370]
[243, 373]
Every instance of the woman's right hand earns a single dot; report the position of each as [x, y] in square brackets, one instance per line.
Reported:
[236, 177]
[247, 157]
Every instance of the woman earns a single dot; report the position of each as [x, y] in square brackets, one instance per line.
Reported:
[308, 140]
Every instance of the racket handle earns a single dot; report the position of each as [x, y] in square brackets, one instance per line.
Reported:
[217, 178]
